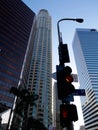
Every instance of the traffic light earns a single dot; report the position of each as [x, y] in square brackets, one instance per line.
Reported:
[63, 54]
[30, 98]
[19, 93]
[15, 91]
[68, 113]
[64, 81]
[25, 95]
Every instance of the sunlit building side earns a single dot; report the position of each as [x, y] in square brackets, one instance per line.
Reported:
[39, 80]
[85, 47]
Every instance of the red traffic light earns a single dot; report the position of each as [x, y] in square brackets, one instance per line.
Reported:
[64, 113]
[64, 80]
[68, 112]
[67, 73]
[64, 121]
[69, 78]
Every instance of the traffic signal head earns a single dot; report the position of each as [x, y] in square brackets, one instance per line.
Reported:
[64, 81]
[25, 95]
[15, 91]
[19, 93]
[64, 121]
[68, 112]
[64, 54]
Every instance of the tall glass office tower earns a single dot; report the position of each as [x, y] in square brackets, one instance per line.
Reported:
[85, 47]
[16, 23]
[39, 80]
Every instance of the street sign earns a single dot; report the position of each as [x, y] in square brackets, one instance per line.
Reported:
[75, 77]
[79, 92]
[68, 98]
[53, 75]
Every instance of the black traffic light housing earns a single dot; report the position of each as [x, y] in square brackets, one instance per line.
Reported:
[63, 54]
[15, 91]
[24, 94]
[64, 81]
[68, 112]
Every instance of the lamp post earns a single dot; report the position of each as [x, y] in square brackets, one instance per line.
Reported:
[60, 35]
[62, 85]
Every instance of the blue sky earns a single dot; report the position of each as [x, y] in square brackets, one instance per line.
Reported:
[58, 9]
[86, 9]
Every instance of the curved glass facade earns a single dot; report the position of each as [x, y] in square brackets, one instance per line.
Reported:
[85, 47]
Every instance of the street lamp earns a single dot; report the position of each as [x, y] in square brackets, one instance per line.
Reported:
[79, 20]
[63, 51]
[65, 87]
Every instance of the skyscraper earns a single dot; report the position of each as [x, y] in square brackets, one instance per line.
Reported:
[85, 47]
[39, 80]
[16, 23]
[56, 108]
